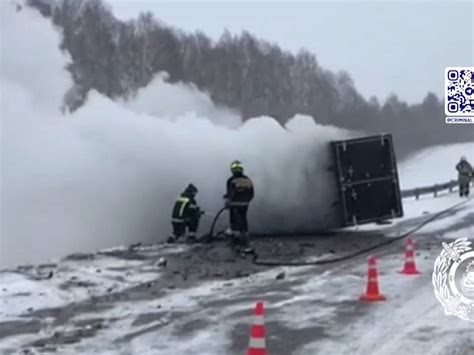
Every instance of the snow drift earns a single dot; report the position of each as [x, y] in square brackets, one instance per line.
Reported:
[109, 173]
[434, 165]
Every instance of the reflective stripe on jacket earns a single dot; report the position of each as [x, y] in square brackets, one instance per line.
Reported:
[185, 209]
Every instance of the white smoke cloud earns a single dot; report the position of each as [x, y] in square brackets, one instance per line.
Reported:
[109, 173]
[167, 101]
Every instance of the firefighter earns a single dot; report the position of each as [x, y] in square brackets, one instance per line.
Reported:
[238, 196]
[186, 214]
[464, 176]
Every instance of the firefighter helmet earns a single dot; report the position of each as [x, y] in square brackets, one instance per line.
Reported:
[236, 167]
[191, 190]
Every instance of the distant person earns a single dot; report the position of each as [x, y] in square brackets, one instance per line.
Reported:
[186, 214]
[464, 176]
[238, 196]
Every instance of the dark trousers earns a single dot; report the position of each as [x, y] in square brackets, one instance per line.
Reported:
[238, 219]
[464, 182]
[464, 189]
[179, 228]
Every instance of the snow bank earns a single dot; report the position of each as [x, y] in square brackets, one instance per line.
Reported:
[434, 165]
[71, 282]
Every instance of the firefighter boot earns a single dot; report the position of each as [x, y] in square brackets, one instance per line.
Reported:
[245, 243]
[191, 239]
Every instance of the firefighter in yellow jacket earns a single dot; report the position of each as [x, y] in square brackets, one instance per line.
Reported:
[239, 193]
[186, 214]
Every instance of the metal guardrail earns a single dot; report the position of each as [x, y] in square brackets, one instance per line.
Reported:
[433, 189]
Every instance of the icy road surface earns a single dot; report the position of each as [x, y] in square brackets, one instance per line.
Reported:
[121, 302]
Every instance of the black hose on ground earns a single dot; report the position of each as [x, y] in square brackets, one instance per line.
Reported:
[359, 252]
[389, 241]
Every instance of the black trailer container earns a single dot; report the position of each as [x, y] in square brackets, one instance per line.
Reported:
[367, 180]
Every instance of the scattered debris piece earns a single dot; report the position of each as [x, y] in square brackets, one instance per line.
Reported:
[281, 276]
[162, 262]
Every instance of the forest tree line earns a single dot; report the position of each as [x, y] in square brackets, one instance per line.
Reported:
[242, 72]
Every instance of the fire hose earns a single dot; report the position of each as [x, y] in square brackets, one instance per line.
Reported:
[257, 261]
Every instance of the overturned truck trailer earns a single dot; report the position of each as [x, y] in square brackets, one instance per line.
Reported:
[367, 180]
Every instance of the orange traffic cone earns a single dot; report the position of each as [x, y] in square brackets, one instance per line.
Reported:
[257, 333]
[372, 292]
[409, 268]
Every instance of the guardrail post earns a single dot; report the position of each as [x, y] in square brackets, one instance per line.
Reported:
[417, 195]
[435, 190]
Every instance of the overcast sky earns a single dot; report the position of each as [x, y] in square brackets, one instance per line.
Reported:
[388, 47]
